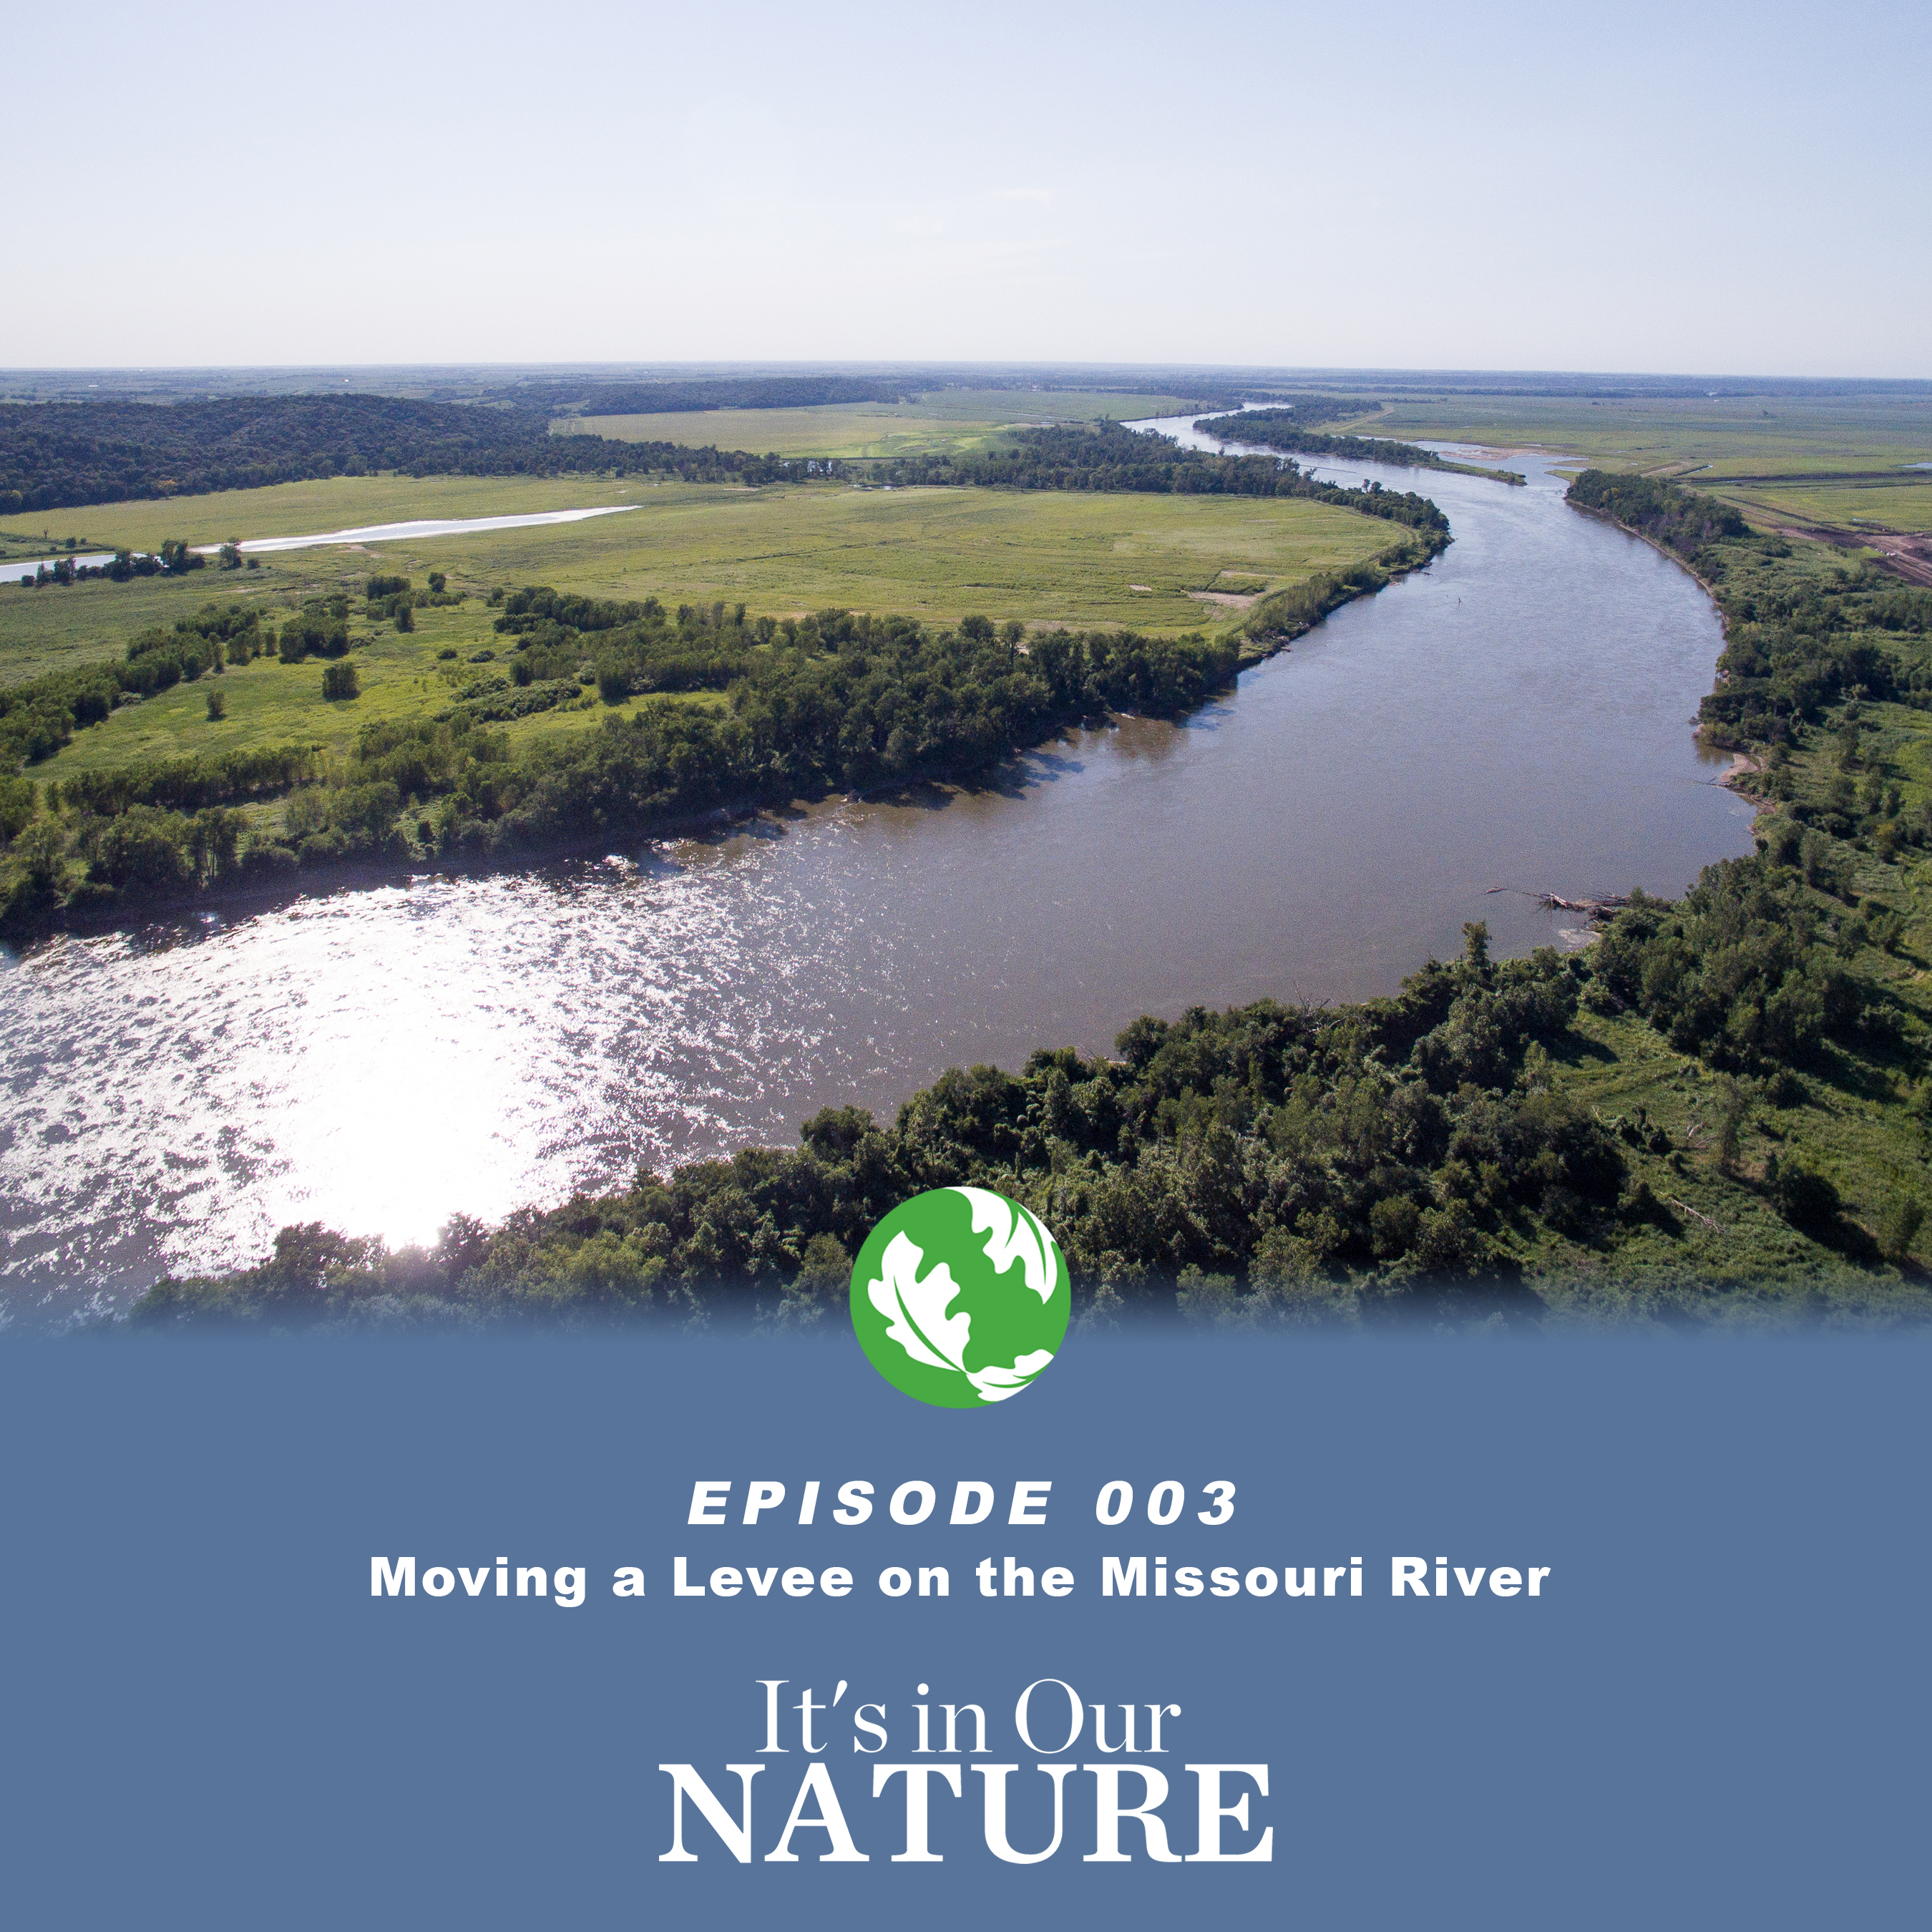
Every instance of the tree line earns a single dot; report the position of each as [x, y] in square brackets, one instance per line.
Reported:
[66, 454]
[1285, 429]
[63, 454]
[1796, 642]
[1106, 456]
[836, 700]
[1682, 520]
[717, 392]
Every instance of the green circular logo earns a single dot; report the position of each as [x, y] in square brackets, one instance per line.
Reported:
[960, 1297]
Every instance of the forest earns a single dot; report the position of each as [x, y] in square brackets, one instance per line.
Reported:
[1681, 521]
[59, 455]
[1436, 1155]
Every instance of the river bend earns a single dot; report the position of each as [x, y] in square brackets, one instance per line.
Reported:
[1516, 716]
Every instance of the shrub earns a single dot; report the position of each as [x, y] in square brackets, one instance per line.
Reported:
[1804, 1197]
[340, 681]
[16, 806]
[1898, 1227]
[217, 706]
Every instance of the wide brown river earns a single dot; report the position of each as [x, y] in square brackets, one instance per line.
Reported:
[1518, 715]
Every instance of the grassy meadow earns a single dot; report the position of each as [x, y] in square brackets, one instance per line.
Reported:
[1044, 558]
[1827, 462]
[269, 703]
[839, 429]
[1731, 435]
[946, 419]
[1883, 505]
[328, 503]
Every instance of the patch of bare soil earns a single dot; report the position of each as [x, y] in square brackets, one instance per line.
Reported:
[1905, 554]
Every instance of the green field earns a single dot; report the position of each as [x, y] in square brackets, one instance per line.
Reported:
[1044, 557]
[1882, 505]
[331, 503]
[844, 429]
[1828, 462]
[270, 703]
[949, 419]
[1732, 436]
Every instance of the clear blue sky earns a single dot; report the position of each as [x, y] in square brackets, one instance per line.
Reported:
[1727, 188]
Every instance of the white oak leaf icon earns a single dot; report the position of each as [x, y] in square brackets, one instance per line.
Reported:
[915, 1310]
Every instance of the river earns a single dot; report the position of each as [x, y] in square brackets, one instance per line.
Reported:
[1517, 715]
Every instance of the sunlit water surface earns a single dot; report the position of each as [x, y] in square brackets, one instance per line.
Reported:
[1518, 715]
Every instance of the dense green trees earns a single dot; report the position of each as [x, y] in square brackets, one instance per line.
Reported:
[1680, 519]
[1795, 642]
[1105, 456]
[187, 784]
[836, 700]
[1740, 970]
[1287, 429]
[65, 453]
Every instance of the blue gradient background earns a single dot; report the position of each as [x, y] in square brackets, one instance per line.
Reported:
[1717, 1716]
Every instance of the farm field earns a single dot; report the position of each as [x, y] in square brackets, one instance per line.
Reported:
[1885, 505]
[1731, 435]
[944, 419]
[1815, 465]
[1045, 557]
[839, 429]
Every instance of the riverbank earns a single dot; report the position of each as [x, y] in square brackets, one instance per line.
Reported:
[1284, 429]
[179, 862]
[1562, 1139]
[380, 1061]
[838, 703]
[1274, 622]
[1662, 548]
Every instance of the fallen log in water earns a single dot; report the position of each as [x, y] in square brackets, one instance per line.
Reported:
[1555, 902]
